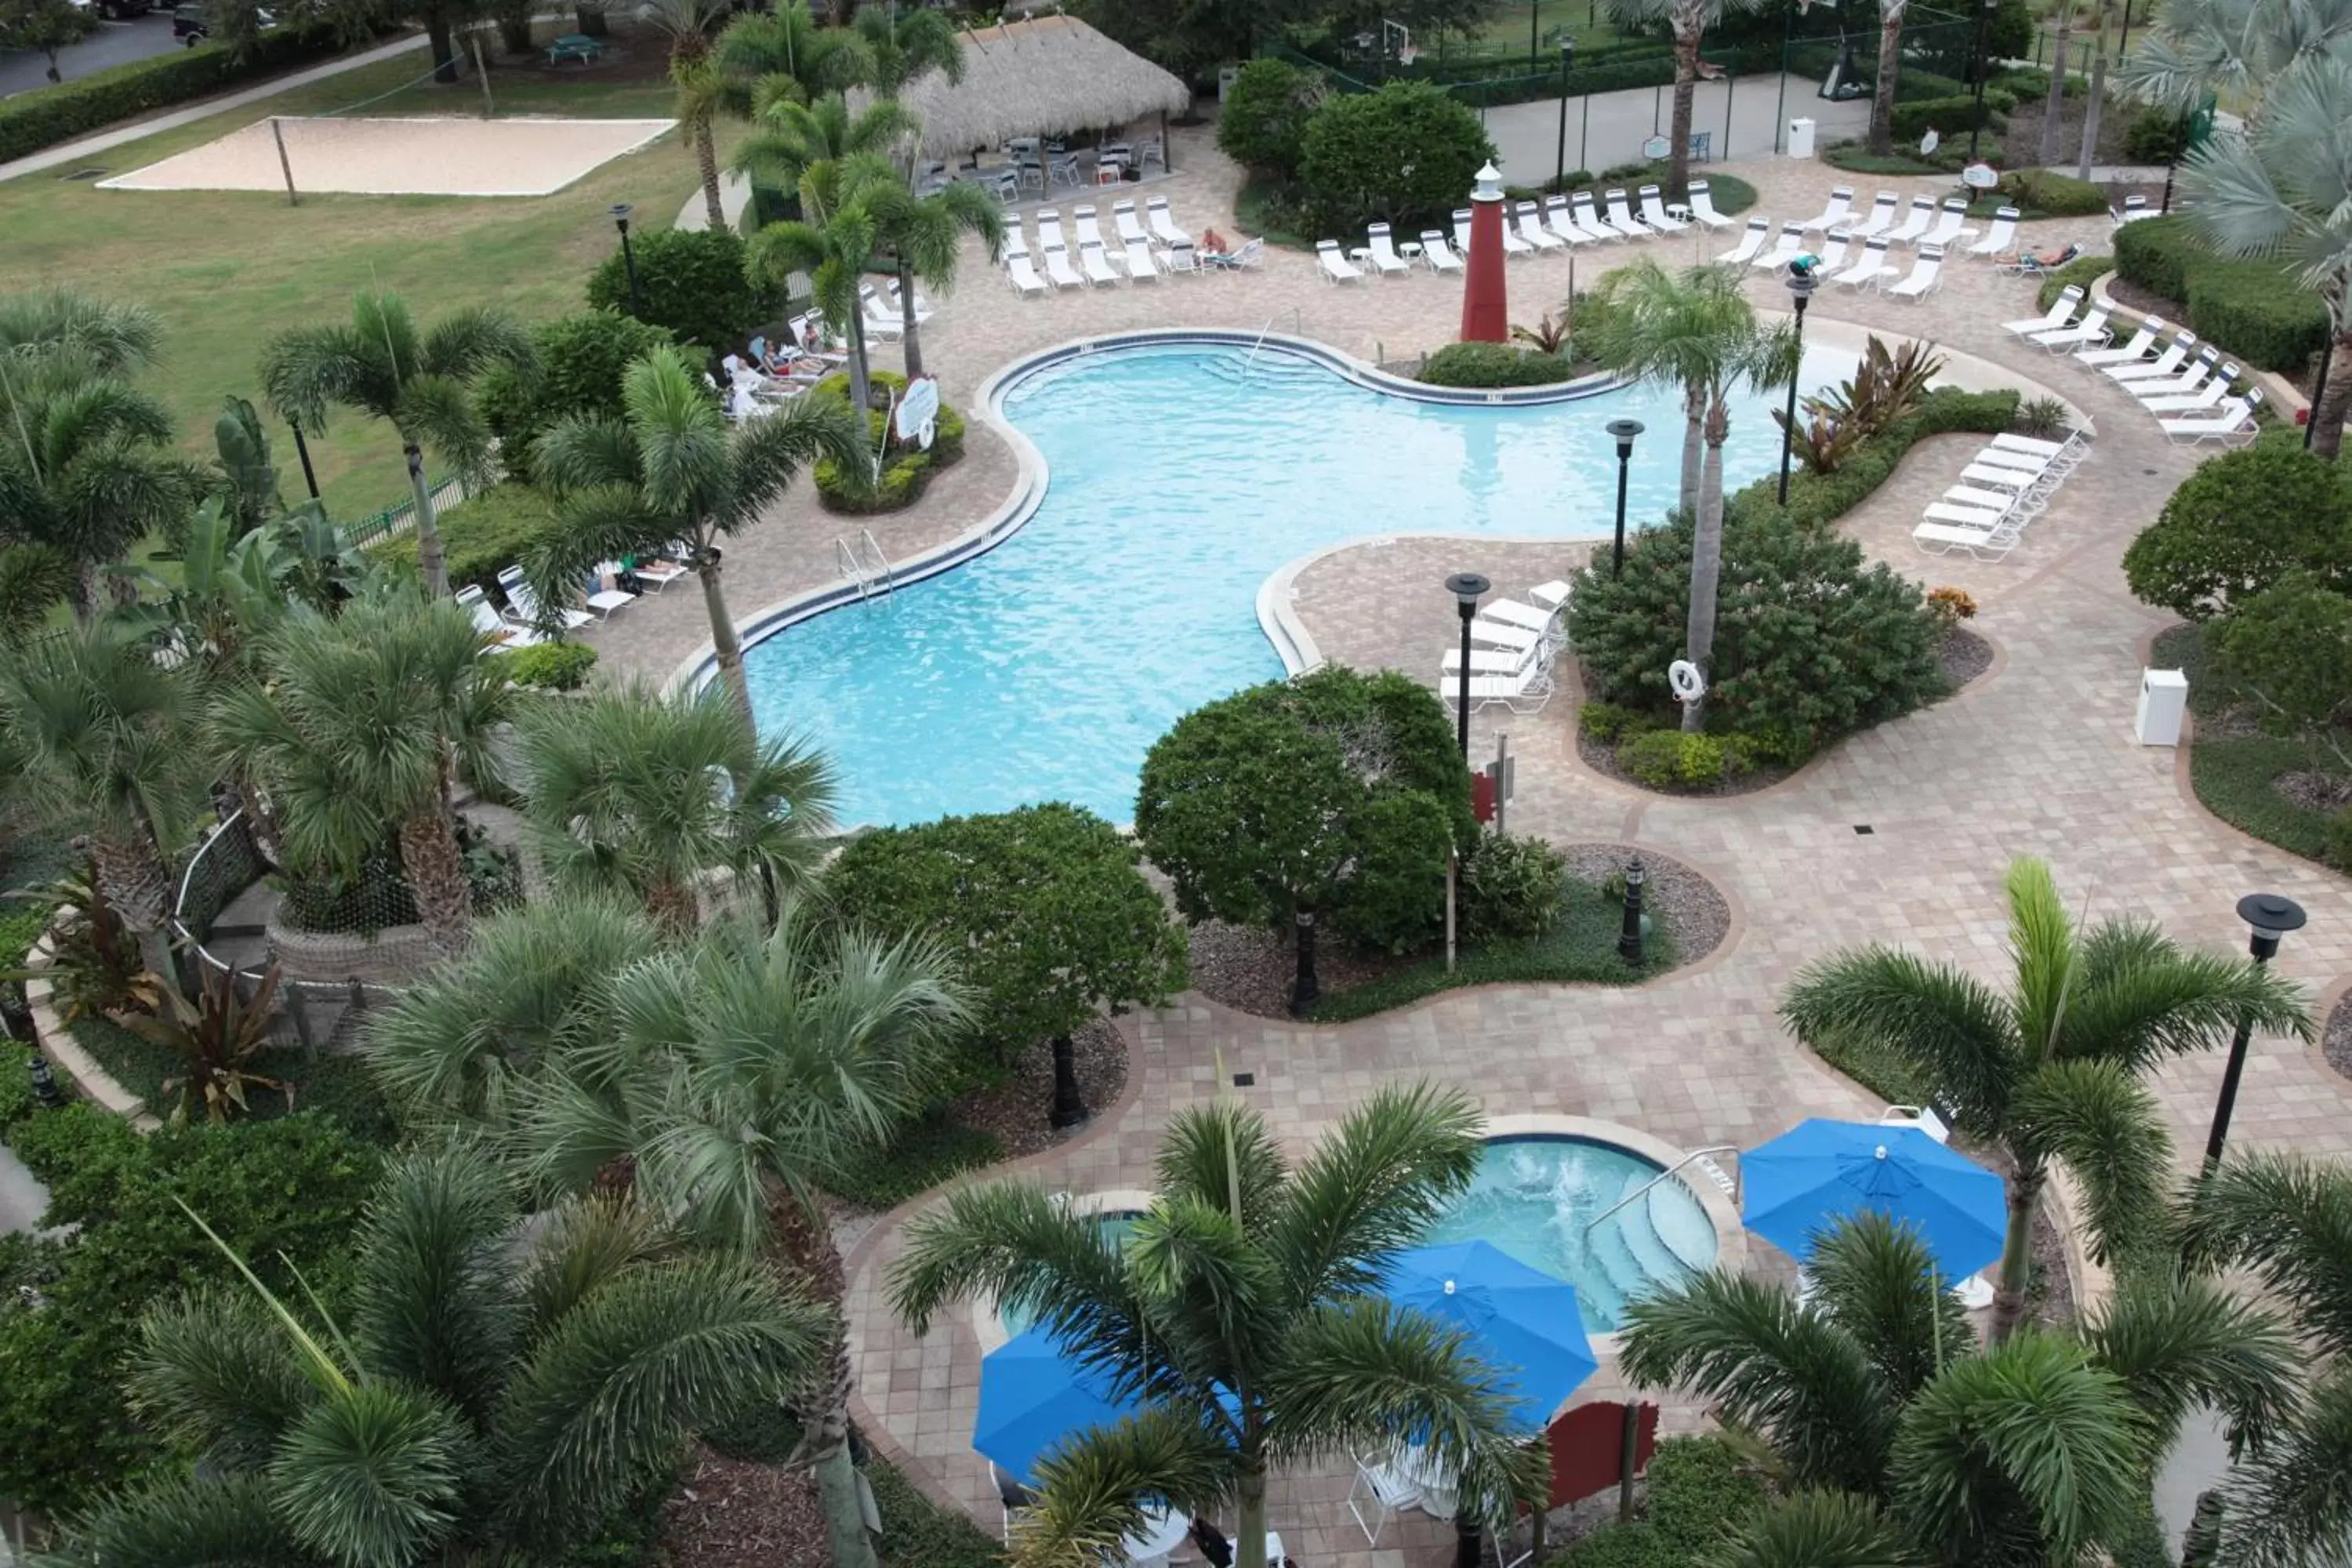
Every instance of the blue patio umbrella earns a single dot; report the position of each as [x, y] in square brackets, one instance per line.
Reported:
[1820, 1171]
[1034, 1394]
[1522, 1323]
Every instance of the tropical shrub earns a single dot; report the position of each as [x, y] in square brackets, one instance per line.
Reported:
[481, 536]
[1605, 721]
[574, 372]
[2253, 311]
[2043, 192]
[549, 666]
[1699, 1493]
[1405, 154]
[907, 468]
[217, 1037]
[690, 280]
[2079, 273]
[2240, 524]
[1951, 115]
[1884, 387]
[2156, 136]
[2044, 418]
[1950, 606]
[1262, 125]
[1493, 364]
[2291, 647]
[1810, 643]
[1507, 888]
[1817, 499]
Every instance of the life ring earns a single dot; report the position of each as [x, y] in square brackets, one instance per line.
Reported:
[1687, 683]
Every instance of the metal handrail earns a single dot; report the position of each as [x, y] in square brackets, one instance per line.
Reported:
[1259, 343]
[847, 559]
[881, 561]
[1643, 1191]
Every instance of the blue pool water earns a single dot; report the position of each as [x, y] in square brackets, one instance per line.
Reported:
[1534, 1198]
[1181, 477]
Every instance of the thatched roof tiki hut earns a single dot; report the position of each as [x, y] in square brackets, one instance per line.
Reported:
[1049, 76]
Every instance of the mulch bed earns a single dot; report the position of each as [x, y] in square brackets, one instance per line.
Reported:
[1015, 1110]
[2315, 791]
[733, 1513]
[2335, 1042]
[1963, 656]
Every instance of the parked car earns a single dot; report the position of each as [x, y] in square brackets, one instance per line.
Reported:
[193, 22]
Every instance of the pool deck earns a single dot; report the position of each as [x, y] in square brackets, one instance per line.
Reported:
[2037, 757]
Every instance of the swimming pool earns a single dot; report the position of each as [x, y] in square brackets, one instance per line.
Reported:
[1181, 475]
[1535, 1198]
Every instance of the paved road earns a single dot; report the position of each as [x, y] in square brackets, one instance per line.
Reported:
[114, 44]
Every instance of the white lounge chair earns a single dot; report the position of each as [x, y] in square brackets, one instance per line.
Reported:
[1751, 243]
[525, 606]
[1057, 266]
[1835, 214]
[1140, 263]
[2232, 423]
[1049, 230]
[1702, 207]
[604, 601]
[2062, 456]
[496, 632]
[2133, 209]
[1130, 226]
[1654, 213]
[1562, 222]
[1552, 597]
[1512, 244]
[2176, 354]
[1923, 280]
[1382, 248]
[1867, 268]
[1959, 515]
[1095, 263]
[1083, 224]
[1438, 255]
[1784, 250]
[1335, 267]
[1502, 634]
[2002, 502]
[1519, 614]
[1525, 692]
[2091, 329]
[1162, 222]
[1831, 256]
[1996, 477]
[923, 308]
[2060, 311]
[1878, 220]
[1620, 218]
[1531, 228]
[1998, 238]
[1922, 219]
[1015, 243]
[1951, 228]
[1181, 258]
[1461, 231]
[1024, 276]
[2151, 329]
[1945, 539]
[1587, 217]
[1493, 660]
[2189, 378]
[2220, 384]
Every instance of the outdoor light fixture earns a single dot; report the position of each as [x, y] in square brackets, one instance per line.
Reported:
[45, 1083]
[1624, 430]
[1567, 64]
[2271, 916]
[1465, 587]
[1802, 284]
[1629, 935]
[621, 210]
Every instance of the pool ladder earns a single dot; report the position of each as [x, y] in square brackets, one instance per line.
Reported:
[878, 579]
[1730, 1184]
[1298, 319]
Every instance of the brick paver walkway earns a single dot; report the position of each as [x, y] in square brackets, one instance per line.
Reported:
[2036, 758]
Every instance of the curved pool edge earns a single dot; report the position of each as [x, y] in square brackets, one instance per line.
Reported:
[1031, 473]
[987, 1326]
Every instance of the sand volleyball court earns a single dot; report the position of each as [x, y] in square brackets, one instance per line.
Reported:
[441, 157]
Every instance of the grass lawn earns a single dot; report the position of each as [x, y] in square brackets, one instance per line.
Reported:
[1507, 28]
[2232, 772]
[227, 268]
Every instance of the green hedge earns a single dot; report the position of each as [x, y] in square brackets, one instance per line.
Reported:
[1915, 119]
[2079, 273]
[549, 666]
[2254, 311]
[1821, 498]
[1700, 1491]
[1493, 364]
[49, 115]
[480, 537]
[906, 471]
[2040, 193]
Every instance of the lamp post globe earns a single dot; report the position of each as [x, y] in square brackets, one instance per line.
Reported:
[2268, 916]
[1623, 431]
[1466, 588]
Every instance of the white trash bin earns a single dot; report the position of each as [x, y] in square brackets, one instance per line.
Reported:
[2163, 699]
[1801, 138]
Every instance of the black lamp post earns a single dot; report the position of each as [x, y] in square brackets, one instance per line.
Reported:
[1624, 430]
[1629, 935]
[1566, 60]
[1977, 64]
[1800, 292]
[2272, 917]
[302, 451]
[1465, 587]
[1069, 1105]
[621, 210]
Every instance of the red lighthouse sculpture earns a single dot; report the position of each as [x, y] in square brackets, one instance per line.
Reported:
[1486, 317]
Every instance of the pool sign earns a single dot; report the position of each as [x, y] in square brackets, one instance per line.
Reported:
[917, 411]
[1981, 177]
[1655, 147]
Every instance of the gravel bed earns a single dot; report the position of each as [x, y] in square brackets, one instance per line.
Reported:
[1678, 898]
[1964, 655]
[733, 1513]
[2335, 1042]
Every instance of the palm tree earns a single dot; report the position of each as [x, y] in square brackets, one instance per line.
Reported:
[1687, 21]
[902, 46]
[420, 382]
[107, 338]
[1890, 64]
[101, 733]
[2052, 1069]
[1244, 1310]
[87, 468]
[691, 27]
[923, 237]
[1692, 329]
[832, 252]
[1902, 1442]
[498, 1390]
[787, 43]
[794, 138]
[648, 793]
[2053, 112]
[730, 1074]
[366, 720]
[2264, 189]
[2288, 1220]
[672, 471]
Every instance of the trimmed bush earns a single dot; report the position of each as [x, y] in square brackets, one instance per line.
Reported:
[1404, 153]
[906, 469]
[49, 115]
[1508, 889]
[1493, 364]
[2252, 310]
[2079, 273]
[1263, 124]
[549, 666]
[480, 536]
[1949, 115]
[2042, 193]
[1671, 759]
[2239, 525]
[1699, 1496]
[575, 373]
[692, 281]
[2156, 136]
[1818, 499]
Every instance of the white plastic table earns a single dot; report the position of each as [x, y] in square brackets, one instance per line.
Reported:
[1164, 1529]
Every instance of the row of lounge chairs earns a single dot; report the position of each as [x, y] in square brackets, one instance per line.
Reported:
[1512, 646]
[525, 622]
[2194, 394]
[1144, 247]
[1559, 223]
[1870, 270]
[2004, 486]
[1927, 224]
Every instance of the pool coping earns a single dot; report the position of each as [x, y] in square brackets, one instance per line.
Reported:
[1032, 475]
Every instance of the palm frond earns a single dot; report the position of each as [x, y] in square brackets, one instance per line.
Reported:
[2178, 1342]
[437, 412]
[1394, 1166]
[212, 1368]
[371, 1473]
[2289, 1219]
[106, 337]
[1876, 1280]
[435, 1308]
[2291, 1505]
[1954, 1030]
[1219, 1151]
[181, 1522]
[579, 454]
[2042, 945]
[2107, 1126]
[586, 1244]
[1090, 1487]
[1817, 1529]
[2141, 999]
[767, 454]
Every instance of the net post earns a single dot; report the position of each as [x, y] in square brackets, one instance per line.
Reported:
[482, 74]
[285, 167]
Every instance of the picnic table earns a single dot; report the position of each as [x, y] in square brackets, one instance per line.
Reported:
[575, 47]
